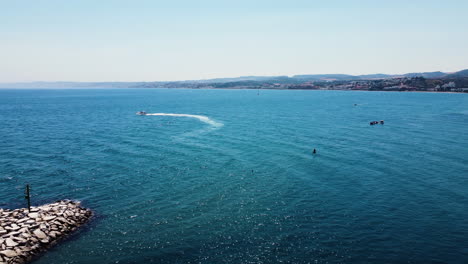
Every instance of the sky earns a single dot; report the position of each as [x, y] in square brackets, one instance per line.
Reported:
[137, 40]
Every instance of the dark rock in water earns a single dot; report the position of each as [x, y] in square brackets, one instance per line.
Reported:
[24, 235]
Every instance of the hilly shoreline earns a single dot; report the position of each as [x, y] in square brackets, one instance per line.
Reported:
[422, 82]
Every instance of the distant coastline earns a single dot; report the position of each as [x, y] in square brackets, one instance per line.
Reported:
[411, 82]
[270, 89]
[354, 90]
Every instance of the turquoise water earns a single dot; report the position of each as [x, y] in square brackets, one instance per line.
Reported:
[242, 186]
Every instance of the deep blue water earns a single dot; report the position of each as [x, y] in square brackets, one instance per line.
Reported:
[244, 187]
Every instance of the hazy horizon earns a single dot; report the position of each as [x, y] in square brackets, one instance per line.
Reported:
[145, 41]
[219, 77]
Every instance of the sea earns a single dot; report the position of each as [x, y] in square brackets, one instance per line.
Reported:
[229, 176]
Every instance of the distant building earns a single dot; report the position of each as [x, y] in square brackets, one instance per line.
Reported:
[449, 85]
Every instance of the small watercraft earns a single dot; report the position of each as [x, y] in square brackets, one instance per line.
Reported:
[141, 113]
[376, 122]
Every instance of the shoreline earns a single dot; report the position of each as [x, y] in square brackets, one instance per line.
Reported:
[281, 89]
[207, 88]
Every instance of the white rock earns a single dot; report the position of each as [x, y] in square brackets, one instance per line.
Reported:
[13, 234]
[26, 249]
[19, 239]
[13, 227]
[63, 220]
[9, 253]
[48, 218]
[23, 230]
[39, 234]
[10, 242]
[22, 220]
[33, 215]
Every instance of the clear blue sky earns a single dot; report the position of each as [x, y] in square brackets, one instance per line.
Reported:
[99, 40]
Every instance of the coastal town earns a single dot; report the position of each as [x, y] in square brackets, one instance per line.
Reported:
[396, 84]
[456, 82]
[421, 82]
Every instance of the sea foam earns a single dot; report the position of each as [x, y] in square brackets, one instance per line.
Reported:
[202, 118]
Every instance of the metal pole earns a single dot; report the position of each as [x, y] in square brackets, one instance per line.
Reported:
[28, 197]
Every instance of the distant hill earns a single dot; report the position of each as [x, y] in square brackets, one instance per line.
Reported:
[316, 77]
[346, 77]
[376, 76]
[428, 75]
[239, 81]
[244, 78]
[459, 74]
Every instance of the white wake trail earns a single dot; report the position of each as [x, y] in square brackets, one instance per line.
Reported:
[202, 118]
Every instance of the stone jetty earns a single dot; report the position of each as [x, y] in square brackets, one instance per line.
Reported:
[24, 234]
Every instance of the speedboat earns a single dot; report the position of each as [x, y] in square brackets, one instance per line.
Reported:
[141, 113]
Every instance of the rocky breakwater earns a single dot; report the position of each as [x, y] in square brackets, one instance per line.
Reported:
[24, 234]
